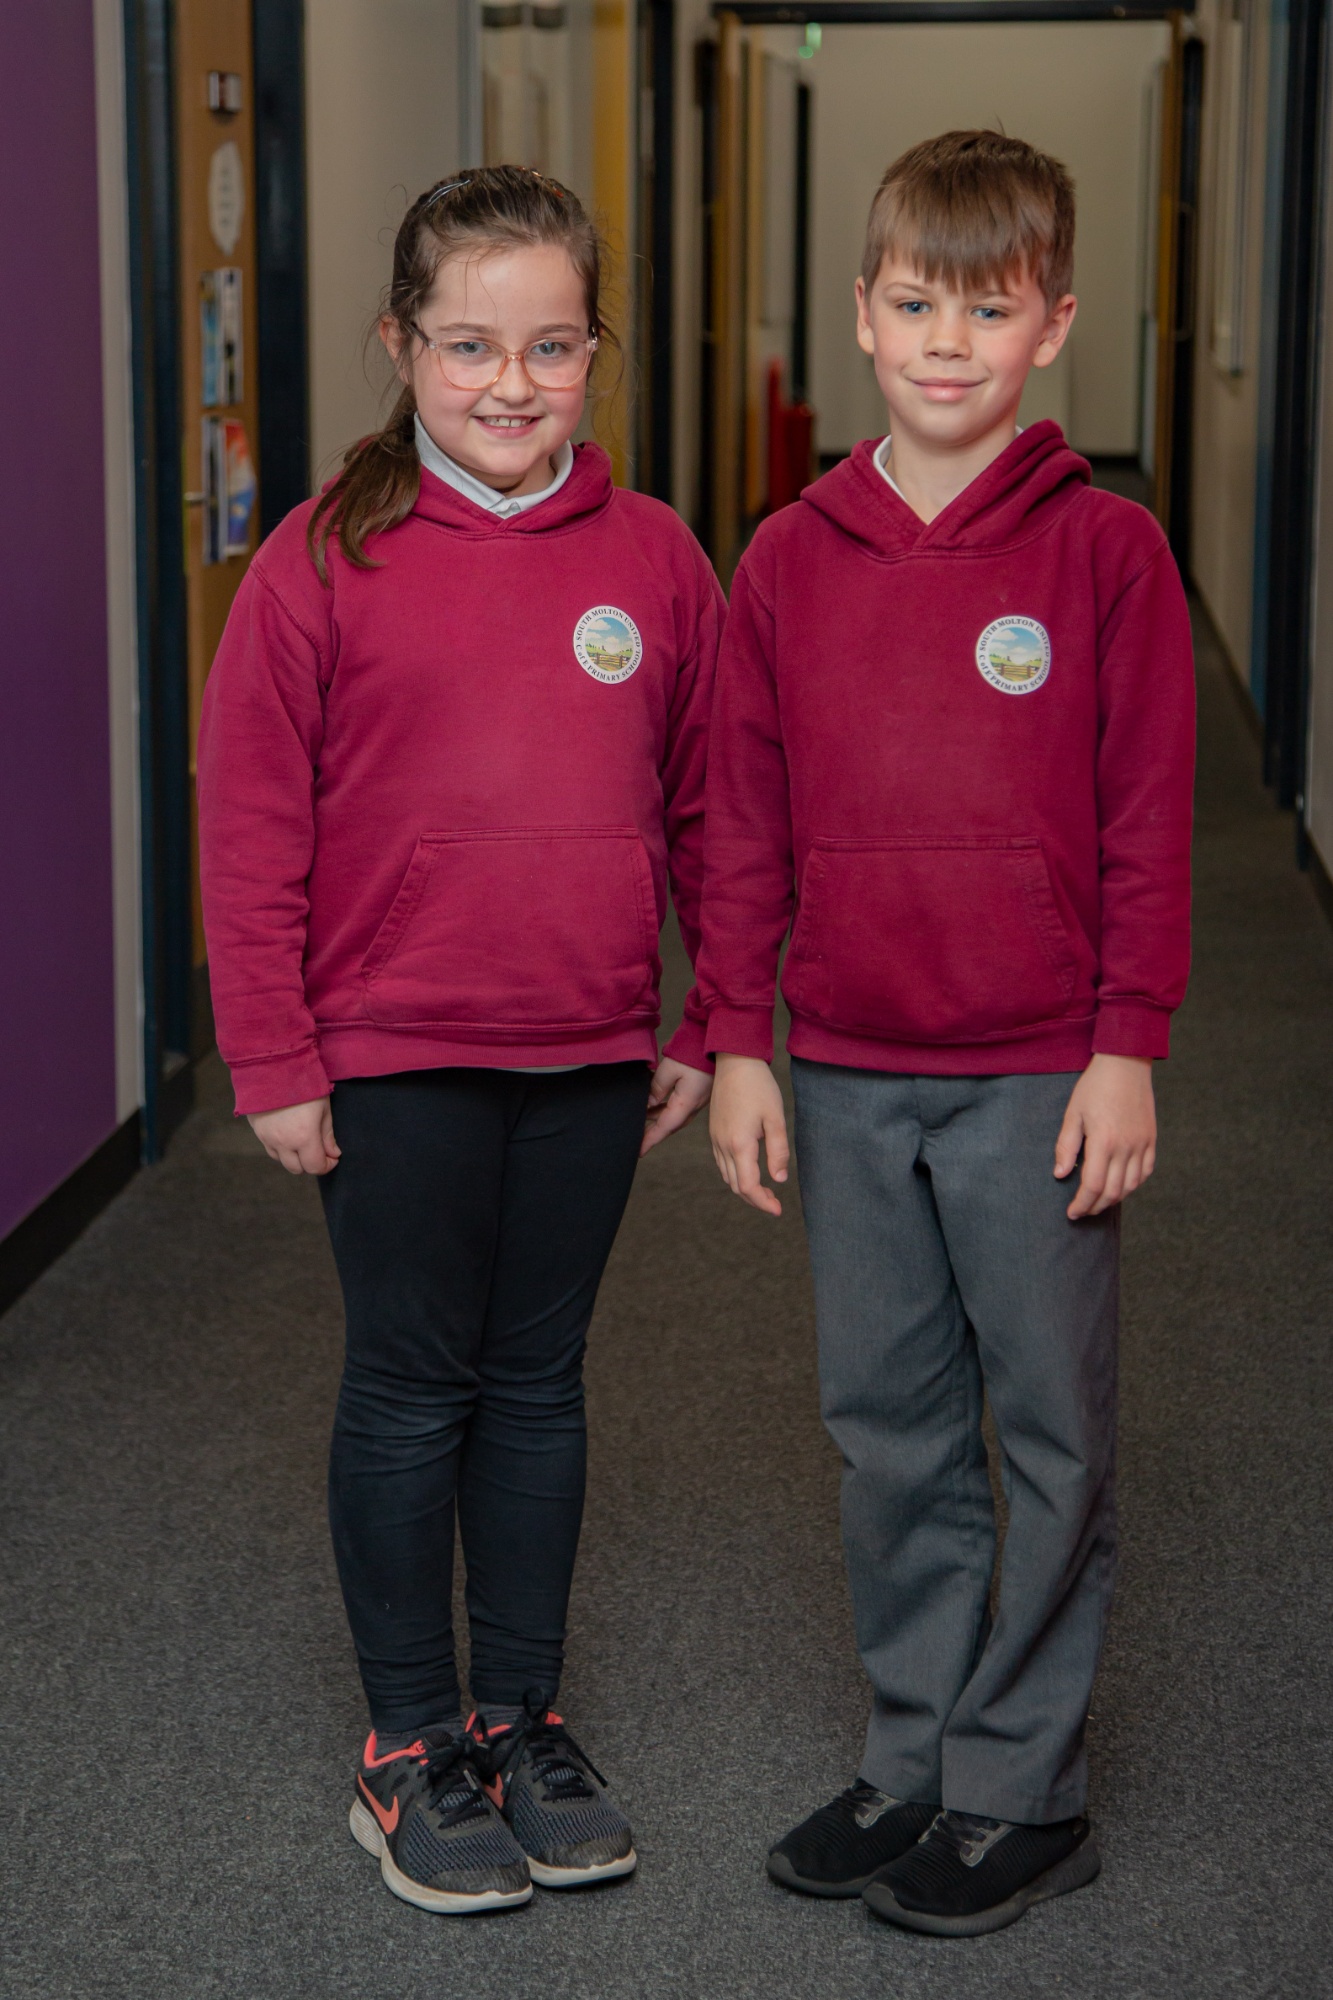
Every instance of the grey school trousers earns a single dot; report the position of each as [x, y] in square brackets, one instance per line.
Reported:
[943, 1260]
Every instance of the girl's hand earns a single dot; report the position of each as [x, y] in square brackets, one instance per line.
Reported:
[299, 1138]
[677, 1093]
[747, 1108]
[1110, 1115]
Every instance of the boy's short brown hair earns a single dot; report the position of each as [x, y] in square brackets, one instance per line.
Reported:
[975, 208]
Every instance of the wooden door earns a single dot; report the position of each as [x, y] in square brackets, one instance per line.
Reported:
[214, 101]
[614, 200]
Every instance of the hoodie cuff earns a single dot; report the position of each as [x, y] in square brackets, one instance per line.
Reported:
[741, 1031]
[687, 1046]
[1132, 1028]
[272, 1083]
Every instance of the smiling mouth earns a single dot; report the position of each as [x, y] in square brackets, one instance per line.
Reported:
[508, 423]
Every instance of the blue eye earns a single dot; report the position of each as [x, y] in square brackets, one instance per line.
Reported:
[549, 350]
[915, 307]
[467, 350]
[990, 312]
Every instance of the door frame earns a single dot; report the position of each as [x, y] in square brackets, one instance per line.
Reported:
[919, 13]
[1291, 551]
[277, 34]
[176, 1013]
[657, 184]
[168, 1000]
[1171, 501]
[1177, 287]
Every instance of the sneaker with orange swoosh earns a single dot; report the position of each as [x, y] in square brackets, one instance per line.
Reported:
[553, 1797]
[440, 1842]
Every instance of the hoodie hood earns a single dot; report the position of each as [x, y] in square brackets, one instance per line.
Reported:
[1017, 496]
[587, 492]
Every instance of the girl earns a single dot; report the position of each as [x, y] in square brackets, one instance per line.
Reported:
[452, 749]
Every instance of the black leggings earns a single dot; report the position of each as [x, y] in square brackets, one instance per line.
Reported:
[472, 1214]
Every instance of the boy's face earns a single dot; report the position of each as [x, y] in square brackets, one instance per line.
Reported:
[952, 364]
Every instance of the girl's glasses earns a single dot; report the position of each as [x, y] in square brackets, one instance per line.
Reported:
[478, 364]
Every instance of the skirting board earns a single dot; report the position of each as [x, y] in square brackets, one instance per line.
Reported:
[55, 1223]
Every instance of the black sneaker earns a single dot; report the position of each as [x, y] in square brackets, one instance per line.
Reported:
[439, 1840]
[968, 1875]
[837, 1850]
[570, 1831]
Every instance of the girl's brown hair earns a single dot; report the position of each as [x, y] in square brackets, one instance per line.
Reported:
[488, 208]
[974, 208]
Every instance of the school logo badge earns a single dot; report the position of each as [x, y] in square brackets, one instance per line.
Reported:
[1014, 655]
[607, 643]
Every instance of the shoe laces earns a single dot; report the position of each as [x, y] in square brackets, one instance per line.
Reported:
[446, 1769]
[861, 1791]
[558, 1762]
[867, 1803]
[969, 1834]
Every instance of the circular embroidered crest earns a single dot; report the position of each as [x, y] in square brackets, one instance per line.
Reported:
[1014, 655]
[607, 643]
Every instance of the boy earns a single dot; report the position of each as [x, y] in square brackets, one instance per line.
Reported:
[954, 731]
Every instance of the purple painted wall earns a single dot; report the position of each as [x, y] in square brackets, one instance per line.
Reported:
[57, 1010]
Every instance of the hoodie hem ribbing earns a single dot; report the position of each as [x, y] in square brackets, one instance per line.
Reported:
[1047, 1051]
[360, 1051]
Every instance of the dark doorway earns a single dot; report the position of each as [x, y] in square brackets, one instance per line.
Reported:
[1296, 414]
[284, 389]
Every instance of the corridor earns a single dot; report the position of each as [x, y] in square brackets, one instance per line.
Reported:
[181, 1711]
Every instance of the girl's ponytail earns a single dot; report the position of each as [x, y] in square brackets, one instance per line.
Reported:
[488, 208]
[377, 488]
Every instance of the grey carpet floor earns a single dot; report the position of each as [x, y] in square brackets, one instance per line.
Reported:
[178, 1706]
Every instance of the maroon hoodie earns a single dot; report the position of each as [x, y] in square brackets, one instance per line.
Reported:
[963, 753]
[440, 799]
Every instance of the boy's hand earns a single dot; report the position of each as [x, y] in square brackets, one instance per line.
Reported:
[1110, 1115]
[677, 1093]
[299, 1138]
[747, 1107]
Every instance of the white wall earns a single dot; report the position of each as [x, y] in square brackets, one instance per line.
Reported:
[382, 123]
[122, 642]
[1077, 91]
[1226, 406]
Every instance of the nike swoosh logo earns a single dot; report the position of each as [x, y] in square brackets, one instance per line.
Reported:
[388, 1820]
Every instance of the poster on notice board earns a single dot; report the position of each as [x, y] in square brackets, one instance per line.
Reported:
[222, 377]
[229, 489]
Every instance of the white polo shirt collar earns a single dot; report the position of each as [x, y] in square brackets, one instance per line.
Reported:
[503, 505]
[881, 463]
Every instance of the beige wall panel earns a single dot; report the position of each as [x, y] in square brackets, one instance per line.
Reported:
[1226, 412]
[381, 125]
[1077, 90]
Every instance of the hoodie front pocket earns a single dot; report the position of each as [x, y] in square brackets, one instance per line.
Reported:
[540, 929]
[920, 939]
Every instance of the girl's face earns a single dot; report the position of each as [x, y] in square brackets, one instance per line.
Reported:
[510, 298]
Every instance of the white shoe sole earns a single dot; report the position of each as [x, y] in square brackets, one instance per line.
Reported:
[574, 1878]
[445, 1902]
